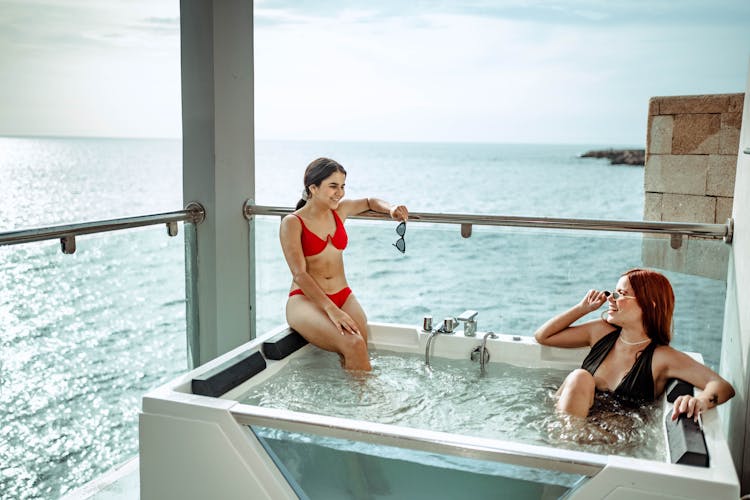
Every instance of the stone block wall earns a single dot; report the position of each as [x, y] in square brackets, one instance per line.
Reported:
[691, 157]
[692, 145]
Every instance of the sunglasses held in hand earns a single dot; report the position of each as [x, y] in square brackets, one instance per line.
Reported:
[401, 243]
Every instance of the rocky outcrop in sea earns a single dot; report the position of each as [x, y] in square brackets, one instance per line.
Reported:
[619, 156]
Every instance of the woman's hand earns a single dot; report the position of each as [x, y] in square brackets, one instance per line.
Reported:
[689, 405]
[399, 212]
[344, 323]
[593, 300]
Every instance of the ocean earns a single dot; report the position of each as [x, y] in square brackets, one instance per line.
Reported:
[84, 336]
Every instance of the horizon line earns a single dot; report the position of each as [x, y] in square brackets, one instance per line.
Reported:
[348, 141]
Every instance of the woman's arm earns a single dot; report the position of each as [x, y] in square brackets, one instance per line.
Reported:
[354, 207]
[557, 331]
[714, 389]
[290, 235]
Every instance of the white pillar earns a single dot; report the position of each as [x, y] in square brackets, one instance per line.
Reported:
[218, 168]
[735, 356]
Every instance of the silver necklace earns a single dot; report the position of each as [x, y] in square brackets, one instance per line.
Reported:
[632, 343]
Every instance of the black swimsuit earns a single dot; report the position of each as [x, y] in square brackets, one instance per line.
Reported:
[638, 383]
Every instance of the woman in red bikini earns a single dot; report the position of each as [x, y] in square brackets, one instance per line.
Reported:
[630, 354]
[321, 306]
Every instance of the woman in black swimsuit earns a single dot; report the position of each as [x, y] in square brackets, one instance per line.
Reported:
[630, 354]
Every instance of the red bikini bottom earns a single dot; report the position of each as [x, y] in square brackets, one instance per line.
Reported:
[338, 298]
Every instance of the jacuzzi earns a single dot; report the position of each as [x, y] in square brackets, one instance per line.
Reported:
[198, 440]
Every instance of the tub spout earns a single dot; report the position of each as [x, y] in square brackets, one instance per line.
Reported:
[484, 354]
[449, 324]
[433, 333]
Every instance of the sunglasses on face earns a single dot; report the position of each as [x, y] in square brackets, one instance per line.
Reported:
[617, 295]
[401, 243]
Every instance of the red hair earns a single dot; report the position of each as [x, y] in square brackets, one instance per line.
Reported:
[655, 296]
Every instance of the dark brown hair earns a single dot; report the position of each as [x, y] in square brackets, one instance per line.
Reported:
[316, 172]
[655, 296]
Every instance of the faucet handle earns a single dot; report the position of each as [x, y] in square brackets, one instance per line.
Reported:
[468, 315]
[449, 324]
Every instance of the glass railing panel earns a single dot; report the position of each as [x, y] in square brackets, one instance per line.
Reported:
[83, 337]
[325, 467]
[516, 278]
[272, 275]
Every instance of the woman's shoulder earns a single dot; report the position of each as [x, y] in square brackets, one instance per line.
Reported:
[291, 220]
[600, 329]
[345, 208]
[667, 351]
[667, 356]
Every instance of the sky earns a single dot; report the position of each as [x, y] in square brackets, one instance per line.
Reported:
[511, 71]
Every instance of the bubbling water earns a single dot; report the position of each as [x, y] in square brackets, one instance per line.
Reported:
[509, 402]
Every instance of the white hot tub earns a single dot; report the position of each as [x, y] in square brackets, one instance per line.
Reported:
[198, 440]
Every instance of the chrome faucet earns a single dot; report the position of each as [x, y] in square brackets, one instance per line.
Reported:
[449, 324]
[481, 353]
[470, 323]
[433, 333]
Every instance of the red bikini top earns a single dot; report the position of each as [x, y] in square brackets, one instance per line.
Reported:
[312, 244]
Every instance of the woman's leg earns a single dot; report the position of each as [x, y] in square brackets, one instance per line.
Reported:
[313, 324]
[354, 309]
[576, 394]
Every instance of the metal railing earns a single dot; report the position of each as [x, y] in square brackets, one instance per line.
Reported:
[674, 229]
[193, 212]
